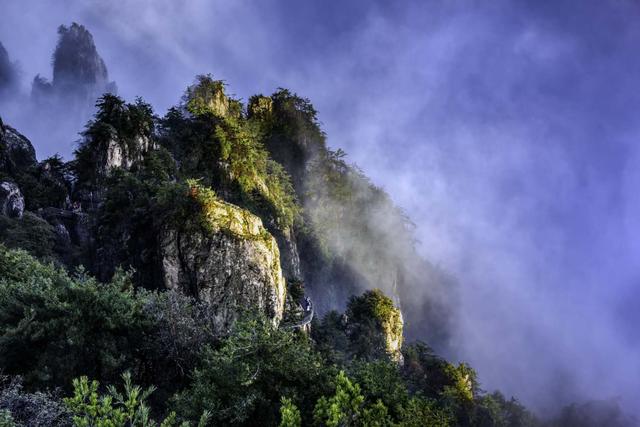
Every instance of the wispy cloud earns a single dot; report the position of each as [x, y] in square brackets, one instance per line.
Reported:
[505, 129]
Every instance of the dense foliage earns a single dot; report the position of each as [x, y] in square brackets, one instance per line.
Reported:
[57, 329]
[214, 143]
[85, 313]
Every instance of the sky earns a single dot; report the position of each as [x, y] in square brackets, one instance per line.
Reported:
[506, 129]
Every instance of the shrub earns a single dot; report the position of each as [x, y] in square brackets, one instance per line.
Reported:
[181, 328]
[244, 379]
[30, 409]
[115, 409]
[54, 327]
[289, 414]
[347, 407]
[30, 233]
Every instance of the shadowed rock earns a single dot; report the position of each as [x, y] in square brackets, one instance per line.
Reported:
[79, 73]
[16, 151]
[11, 200]
[8, 74]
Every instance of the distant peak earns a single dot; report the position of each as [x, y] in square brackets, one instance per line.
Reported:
[7, 69]
[76, 59]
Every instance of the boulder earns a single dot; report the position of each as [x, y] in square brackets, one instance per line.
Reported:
[16, 151]
[11, 200]
[228, 260]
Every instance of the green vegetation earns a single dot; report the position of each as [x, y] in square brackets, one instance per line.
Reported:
[45, 183]
[54, 327]
[58, 329]
[83, 307]
[115, 409]
[31, 233]
[371, 323]
[289, 414]
[116, 126]
[373, 314]
[225, 152]
[6, 419]
[207, 96]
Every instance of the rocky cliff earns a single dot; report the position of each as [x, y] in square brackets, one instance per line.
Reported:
[8, 74]
[375, 325]
[79, 72]
[243, 233]
[224, 257]
[16, 152]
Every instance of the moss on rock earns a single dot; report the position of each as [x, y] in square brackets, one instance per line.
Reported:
[375, 307]
[222, 254]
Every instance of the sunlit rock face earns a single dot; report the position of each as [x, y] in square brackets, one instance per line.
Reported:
[374, 323]
[393, 327]
[207, 96]
[289, 255]
[122, 155]
[229, 261]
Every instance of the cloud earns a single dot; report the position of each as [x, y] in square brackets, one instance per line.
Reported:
[505, 129]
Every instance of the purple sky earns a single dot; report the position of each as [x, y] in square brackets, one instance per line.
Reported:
[505, 129]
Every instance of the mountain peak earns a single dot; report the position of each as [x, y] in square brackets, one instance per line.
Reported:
[76, 59]
[79, 72]
[8, 75]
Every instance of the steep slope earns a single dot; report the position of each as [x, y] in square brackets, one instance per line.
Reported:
[355, 238]
[204, 239]
[337, 233]
[226, 259]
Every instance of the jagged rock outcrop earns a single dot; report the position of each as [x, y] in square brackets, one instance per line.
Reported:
[11, 200]
[374, 323]
[122, 155]
[120, 136]
[69, 225]
[8, 75]
[229, 261]
[16, 152]
[289, 255]
[207, 96]
[72, 234]
[79, 73]
[393, 336]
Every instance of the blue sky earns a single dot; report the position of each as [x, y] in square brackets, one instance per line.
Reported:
[506, 129]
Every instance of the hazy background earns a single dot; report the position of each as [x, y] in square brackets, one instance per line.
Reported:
[506, 129]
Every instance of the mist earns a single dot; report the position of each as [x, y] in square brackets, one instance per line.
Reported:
[505, 130]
